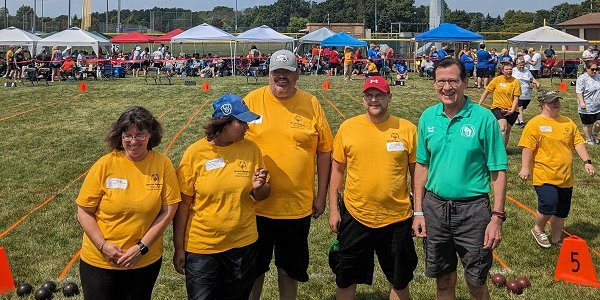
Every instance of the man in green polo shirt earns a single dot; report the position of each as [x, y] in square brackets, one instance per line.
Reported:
[459, 151]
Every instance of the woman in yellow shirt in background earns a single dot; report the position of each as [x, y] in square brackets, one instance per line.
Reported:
[215, 234]
[128, 198]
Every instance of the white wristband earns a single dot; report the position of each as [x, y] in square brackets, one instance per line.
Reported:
[417, 213]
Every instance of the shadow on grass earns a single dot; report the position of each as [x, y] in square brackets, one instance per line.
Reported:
[585, 230]
[513, 151]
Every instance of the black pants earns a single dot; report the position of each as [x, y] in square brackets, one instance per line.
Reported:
[106, 284]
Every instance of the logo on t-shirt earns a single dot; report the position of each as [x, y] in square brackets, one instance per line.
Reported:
[242, 170]
[430, 129]
[467, 130]
[298, 122]
[155, 185]
[395, 136]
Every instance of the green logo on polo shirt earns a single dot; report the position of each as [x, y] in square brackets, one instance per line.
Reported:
[467, 130]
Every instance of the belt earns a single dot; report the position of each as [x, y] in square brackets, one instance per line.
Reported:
[449, 205]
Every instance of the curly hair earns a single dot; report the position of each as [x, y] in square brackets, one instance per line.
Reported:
[142, 119]
[215, 126]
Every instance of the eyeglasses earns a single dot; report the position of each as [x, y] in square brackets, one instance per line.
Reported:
[452, 82]
[593, 69]
[377, 97]
[139, 137]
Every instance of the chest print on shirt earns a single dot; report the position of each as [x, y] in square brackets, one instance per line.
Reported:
[394, 145]
[546, 128]
[155, 184]
[242, 169]
[467, 131]
[298, 122]
[430, 129]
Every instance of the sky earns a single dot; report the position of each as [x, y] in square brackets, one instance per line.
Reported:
[58, 7]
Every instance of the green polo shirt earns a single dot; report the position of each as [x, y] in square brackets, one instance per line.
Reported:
[460, 152]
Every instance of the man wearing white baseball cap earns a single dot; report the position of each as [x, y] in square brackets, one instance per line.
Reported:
[292, 133]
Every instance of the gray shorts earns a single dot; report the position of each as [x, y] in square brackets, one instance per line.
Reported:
[457, 226]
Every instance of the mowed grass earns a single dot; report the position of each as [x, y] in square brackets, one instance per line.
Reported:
[52, 134]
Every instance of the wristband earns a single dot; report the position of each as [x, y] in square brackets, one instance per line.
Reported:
[500, 214]
[589, 161]
[417, 213]
[102, 246]
[143, 248]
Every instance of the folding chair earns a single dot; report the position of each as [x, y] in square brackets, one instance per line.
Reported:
[151, 72]
[252, 73]
[165, 72]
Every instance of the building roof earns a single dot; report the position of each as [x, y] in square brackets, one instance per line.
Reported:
[589, 19]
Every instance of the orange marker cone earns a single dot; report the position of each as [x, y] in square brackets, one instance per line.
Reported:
[562, 87]
[82, 86]
[575, 263]
[7, 282]
[326, 85]
[205, 87]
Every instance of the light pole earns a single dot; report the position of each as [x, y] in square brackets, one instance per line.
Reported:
[34, 16]
[106, 18]
[236, 15]
[119, 17]
[375, 15]
[69, 20]
[5, 15]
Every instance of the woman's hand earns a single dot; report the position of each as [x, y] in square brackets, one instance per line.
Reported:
[179, 261]
[259, 178]
[130, 258]
[112, 253]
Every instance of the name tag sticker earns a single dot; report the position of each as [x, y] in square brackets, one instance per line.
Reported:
[216, 163]
[257, 121]
[546, 128]
[502, 84]
[395, 146]
[116, 183]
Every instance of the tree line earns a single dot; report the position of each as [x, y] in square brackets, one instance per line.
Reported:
[292, 16]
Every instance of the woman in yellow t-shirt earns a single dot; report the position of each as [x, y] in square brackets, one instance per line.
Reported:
[548, 141]
[128, 198]
[215, 226]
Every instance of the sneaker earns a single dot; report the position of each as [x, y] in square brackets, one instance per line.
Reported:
[590, 142]
[541, 238]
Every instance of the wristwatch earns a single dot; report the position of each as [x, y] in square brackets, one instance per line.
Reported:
[589, 161]
[500, 214]
[143, 248]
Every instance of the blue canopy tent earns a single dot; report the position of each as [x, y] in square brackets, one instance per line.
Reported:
[448, 32]
[342, 39]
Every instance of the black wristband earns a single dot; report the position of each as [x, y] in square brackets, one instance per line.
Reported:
[143, 248]
[589, 161]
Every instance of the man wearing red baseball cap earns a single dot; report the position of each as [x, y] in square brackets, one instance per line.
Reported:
[375, 213]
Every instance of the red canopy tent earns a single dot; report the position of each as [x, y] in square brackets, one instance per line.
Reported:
[132, 37]
[167, 36]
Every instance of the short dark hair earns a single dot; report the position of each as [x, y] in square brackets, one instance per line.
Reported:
[590, 63]
[448, 62]
[140, 117]
[215, 126]
[482, 46]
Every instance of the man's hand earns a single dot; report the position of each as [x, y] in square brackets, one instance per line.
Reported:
[179, 261]
[318, 206]
[590, 169]
[525, 173]
[418, 227]
[493, 233]
[259, 178]
[334, 220]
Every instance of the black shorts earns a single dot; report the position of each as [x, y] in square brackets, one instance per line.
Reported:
[353, 262]
[226, 275]
[135, 65]
[457, 227]
[535, 73]
[524, 103]
[106, 284]
[510, 119]
[589, 119]
[553, 200]
[289, 239]
[483, 72]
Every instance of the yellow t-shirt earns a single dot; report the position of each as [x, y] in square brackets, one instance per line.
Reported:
[128, 196]
[503, 91]
[552, 142]
[347, 56]
[377, 157]
[220, 180]
[371, 67]
[289, 134]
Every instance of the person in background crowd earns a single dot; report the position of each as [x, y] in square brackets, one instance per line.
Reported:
[535, 63]
[548, 141]
[56, 63]
[334, 61]
[347, 63]
[126, 202]
[136, 56]
[506, 91]
[145, 56]
[525, 80]
[157, 57]
[467, 60]
[526, 58]
[483, 71]
[549, 52]
[493, 63]
[8, 60]
[443, 53]
[587, 89]
[588, 54]
[372, 68]
[504, 56]
[434, 54]
[401, 70]
[427, 66]
[389, 57]
[465, 49]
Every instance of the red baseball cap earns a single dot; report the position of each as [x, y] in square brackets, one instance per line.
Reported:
[377, 82]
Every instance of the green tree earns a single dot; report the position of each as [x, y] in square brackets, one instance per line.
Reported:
[297, 23]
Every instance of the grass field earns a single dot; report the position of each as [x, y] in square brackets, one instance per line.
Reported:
[51, 135]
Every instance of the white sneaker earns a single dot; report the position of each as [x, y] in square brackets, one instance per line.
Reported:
[541, 238]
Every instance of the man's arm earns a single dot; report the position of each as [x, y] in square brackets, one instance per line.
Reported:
[493, 231]
[420, 178]
[323, 168]
[335, 186]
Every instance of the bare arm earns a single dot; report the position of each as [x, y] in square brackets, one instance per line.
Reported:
[483, 96]
[525, 163]
[583, 154]
[87, 219]
[335, 186]
[580, 100]
[493, 231]
[323, 168]
[535, 82]
[260, 187]
[420, 179]
[179, 225]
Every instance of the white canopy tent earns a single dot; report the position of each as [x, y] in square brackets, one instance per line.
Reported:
[263, 34]
[12, 36]
[317, 36]
[546, 35]
[74, 37]
[206, 33]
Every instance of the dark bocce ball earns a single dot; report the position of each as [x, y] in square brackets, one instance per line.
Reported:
[514, 287]
[499, 280]
[70, 289]
[43, 294]
[524, 282]
[50, 285]
[24, 289]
